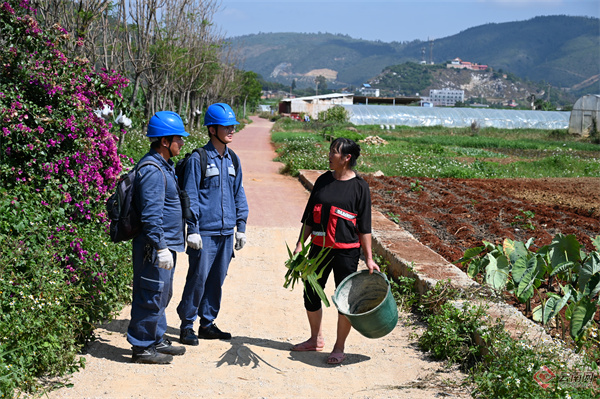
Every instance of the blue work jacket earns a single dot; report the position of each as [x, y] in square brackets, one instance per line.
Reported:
[157, 198]
[218, 202]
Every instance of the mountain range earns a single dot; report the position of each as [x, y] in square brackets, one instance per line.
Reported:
[562, 51]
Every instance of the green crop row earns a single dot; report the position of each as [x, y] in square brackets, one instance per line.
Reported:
[442, 152]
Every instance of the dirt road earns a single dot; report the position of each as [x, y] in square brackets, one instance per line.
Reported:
[265, 320]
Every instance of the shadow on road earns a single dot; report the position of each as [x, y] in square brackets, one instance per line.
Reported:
[102, 348]
[240, 354]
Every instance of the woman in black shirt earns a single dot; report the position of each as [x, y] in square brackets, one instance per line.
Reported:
[337, 216]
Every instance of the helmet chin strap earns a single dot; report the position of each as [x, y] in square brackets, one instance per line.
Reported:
[169, 146]
[217, 135]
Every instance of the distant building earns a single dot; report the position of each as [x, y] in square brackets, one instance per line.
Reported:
[457, 63]
[445, 97]
[312, 105]
[368, 91]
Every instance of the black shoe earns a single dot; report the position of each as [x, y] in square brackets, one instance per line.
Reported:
[187, 337]
[212, 332]
[167, 348]
[150, 356]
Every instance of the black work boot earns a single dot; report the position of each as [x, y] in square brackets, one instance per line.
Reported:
[188, 337]
[150, 356]
[212, 332]
[167, 347]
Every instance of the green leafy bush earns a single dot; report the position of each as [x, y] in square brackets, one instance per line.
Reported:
[59, 277]
[526, 369]
[337, 114]
[451, 333]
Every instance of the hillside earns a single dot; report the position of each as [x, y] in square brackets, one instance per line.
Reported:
[560, 50]
[479, 86]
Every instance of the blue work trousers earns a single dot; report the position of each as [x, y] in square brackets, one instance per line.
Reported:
[206, 274]
[152, 291]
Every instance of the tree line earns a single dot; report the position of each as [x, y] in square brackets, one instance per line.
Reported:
[174, 55]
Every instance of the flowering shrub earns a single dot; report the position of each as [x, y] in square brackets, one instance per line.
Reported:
[58, 160]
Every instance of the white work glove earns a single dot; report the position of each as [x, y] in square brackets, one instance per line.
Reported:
[194, 241]
[240, 240]
[165, 259]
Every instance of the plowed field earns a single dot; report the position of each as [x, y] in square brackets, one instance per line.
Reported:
[452, 215]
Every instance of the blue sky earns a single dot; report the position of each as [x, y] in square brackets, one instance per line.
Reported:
[388, 20]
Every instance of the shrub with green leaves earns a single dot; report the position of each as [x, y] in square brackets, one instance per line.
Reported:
[336, 114]
[526, 369]
[59, 277]
[451, 333]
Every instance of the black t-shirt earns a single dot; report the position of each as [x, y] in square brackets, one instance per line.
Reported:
[342, 208]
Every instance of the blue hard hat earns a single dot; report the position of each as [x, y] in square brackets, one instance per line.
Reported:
[220, 114]
[166, 123]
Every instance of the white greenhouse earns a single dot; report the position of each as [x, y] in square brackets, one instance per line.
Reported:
[456, 117]
[585, 115]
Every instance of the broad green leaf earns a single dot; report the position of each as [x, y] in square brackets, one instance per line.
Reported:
[514, 250]
[592, 288]
[488, 245]
[497, 272]
[553, 306]
[469, 254]
[544, 251]
[583, 313]
[569, 310]
[474, 267]
[537, 314]
[590, 267]
[518, 270]
[596, 242]
[575, 295]
[564, 249]
[524, 293]
[562, 268]
[526, 283]
[529, 242]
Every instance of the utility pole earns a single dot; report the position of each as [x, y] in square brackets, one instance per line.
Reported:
[431, 51]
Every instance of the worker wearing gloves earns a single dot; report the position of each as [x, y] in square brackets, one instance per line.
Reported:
[219, 209]
[156, 197]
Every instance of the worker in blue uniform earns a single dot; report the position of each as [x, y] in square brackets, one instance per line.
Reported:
[219, 212]
[156, 197]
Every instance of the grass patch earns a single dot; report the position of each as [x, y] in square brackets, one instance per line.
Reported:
[440, 152]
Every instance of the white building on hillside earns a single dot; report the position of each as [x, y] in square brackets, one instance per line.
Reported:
[445, 97]
[368, 91]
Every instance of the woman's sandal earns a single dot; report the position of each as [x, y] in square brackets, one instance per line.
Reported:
[307, 347]
[336, 358]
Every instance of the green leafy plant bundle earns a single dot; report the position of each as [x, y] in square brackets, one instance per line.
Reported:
[302, 268]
